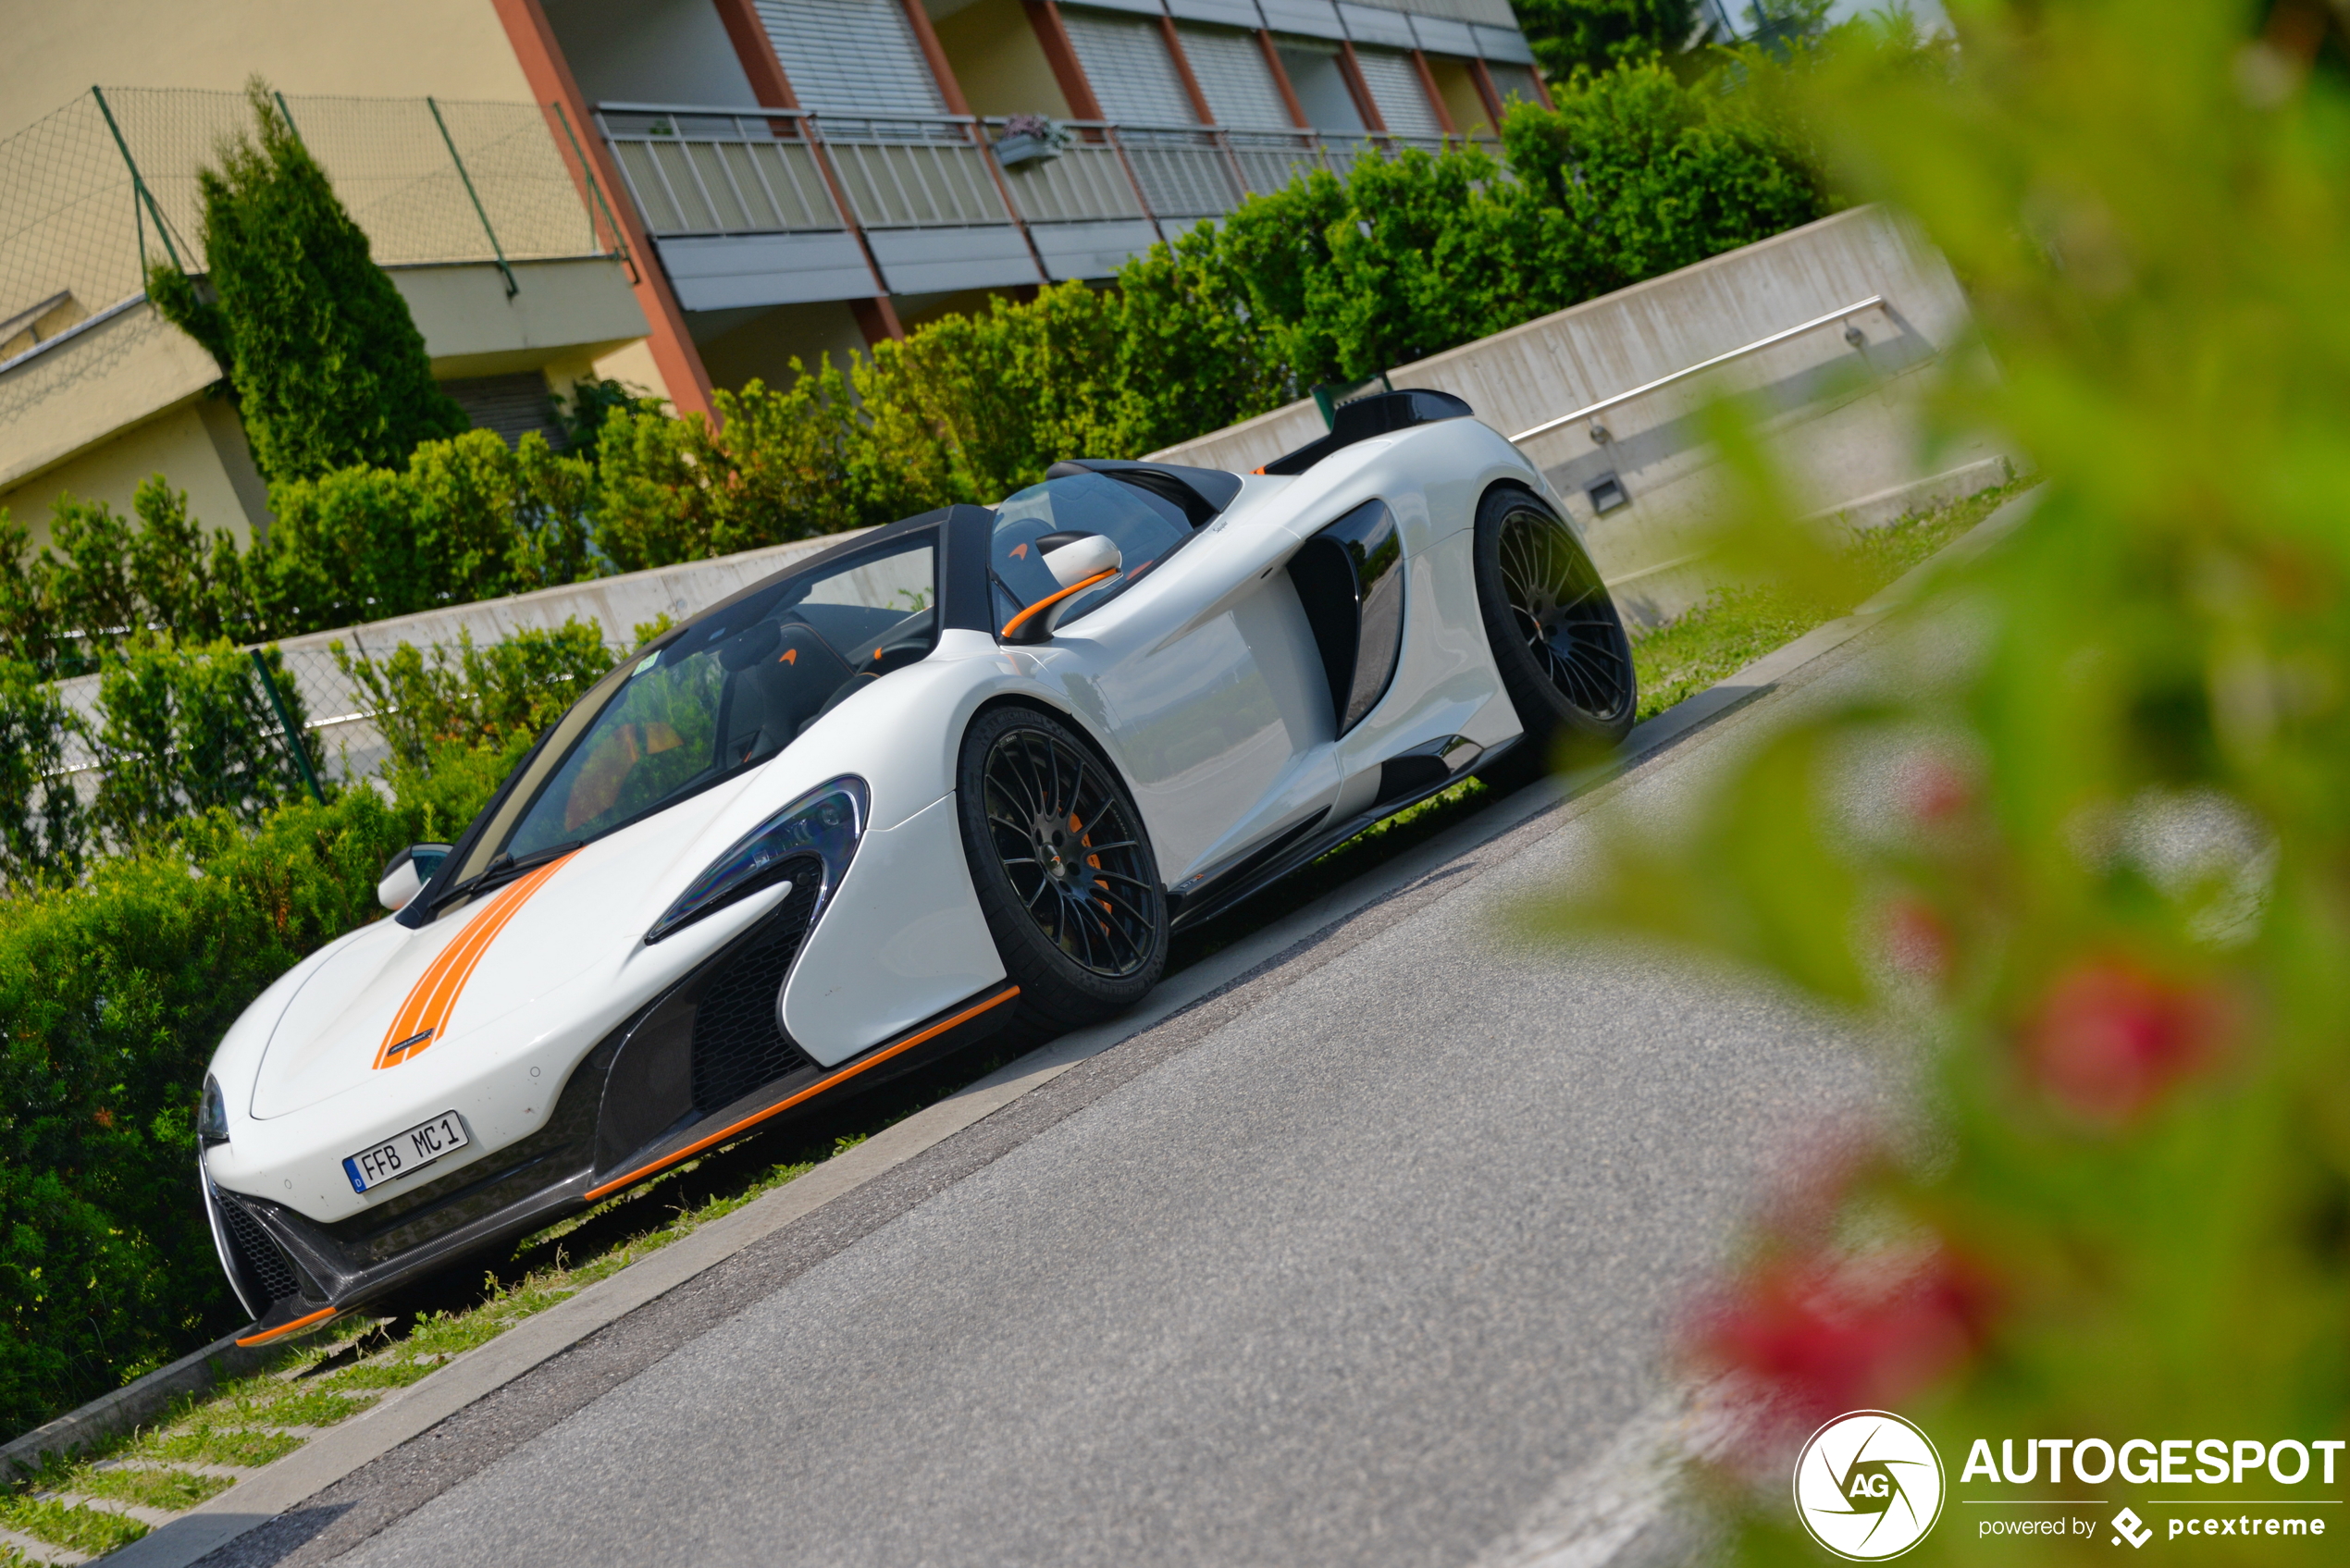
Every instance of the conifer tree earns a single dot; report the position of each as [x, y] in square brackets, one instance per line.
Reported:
[326, 363]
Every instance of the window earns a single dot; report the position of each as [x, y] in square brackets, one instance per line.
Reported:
[1232, 74]
[1145, 529]
[1125, 60]
[1320, 84]
[1395, 87]
[735, 688]
[851, 57]
[1512, 83]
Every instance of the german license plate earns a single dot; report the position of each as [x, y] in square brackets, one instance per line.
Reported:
[395, 1157]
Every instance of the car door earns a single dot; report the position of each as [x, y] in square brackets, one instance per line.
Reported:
[1199, 664]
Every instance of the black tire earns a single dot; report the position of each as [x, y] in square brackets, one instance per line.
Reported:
[1063, 871]
[1556, 634]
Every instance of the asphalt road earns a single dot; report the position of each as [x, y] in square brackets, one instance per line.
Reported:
[1348, 1265]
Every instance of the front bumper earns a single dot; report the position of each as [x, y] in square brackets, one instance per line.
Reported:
[705, 1062]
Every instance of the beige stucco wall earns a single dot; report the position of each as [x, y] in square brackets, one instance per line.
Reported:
[176, 443]
[997, 59]
[109, 378]
[451, 48]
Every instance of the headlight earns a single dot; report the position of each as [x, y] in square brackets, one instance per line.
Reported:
[211, 1113]
[825, 822]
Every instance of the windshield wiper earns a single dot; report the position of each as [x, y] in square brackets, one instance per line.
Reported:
[503, 867]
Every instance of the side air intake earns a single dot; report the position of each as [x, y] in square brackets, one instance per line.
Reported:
[739, 1042]
[260, 1260]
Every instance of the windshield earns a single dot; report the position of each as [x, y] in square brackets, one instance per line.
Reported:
[1145, 529]
[733, 690]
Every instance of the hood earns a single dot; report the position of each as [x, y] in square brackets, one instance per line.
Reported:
[388, 995]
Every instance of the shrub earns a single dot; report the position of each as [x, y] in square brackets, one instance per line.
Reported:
[481, 696]
[1190, 358]
[328, 365]
[185, 730]
[989, 402]
[43, 831]
[1405, 258]
[466, 519]
[112, 579]
[1648, 174]
[2081, 885]
[112, 997]
[779, 465]
[1592, 35]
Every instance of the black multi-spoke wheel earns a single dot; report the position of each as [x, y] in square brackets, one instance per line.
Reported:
[1557, 638]
[1062, 869]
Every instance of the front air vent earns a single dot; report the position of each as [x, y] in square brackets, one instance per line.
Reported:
[739, 1044]
[264, 1262]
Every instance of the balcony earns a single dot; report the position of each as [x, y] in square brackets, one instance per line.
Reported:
[786, 207]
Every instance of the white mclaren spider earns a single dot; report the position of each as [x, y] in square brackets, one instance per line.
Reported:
[963, 772]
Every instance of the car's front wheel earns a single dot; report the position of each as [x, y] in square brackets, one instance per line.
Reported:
[1062, 869]
[1557, 638]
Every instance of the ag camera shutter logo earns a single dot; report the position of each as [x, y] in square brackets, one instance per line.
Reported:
[1868, 1486]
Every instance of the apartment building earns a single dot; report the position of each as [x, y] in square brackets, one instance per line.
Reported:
[680, 193]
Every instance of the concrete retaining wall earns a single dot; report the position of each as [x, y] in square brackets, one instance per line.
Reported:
[1844, 418]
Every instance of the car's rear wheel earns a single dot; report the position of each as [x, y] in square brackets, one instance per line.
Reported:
[1557, 638]
[1062, 869]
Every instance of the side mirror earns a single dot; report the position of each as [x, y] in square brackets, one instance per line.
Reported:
[405, 874]
[1077, 561]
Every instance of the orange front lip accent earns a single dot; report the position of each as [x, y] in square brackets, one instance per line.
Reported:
[423, 1017]
[283, 1329]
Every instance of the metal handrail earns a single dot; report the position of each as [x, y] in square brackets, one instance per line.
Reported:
[733, 111]
[1755, 347]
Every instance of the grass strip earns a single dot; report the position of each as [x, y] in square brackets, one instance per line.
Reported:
[171, 1491]
[200, 1442]
[93, 1530]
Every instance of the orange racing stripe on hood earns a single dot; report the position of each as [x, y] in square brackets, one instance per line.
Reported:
[425, 1014]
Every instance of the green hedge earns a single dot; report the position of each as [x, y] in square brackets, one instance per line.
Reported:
[116, 989]
[113, 995]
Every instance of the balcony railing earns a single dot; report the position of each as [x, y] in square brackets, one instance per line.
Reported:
[721, 174]
[701, 173]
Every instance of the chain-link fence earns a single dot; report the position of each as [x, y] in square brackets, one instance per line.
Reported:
[93, 193]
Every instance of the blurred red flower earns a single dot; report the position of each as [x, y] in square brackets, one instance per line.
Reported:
[2111, 1036]
[1824, 1335]
[1917, 939]
[1933, 791]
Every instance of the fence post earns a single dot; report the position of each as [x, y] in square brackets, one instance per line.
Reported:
[495, 248]
[286, 115]
[286, 723]
[596, 192]
[138, 185]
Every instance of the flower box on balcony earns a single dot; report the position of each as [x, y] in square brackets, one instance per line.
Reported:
[1013, 151]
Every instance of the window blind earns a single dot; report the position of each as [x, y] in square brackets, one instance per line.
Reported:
[1126, 63]
[851, 57]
